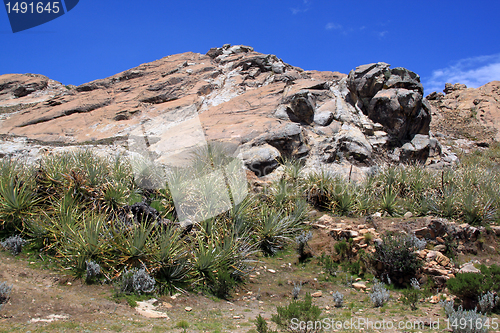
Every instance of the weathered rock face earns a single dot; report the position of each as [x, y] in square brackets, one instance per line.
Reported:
[261, 160]
[391, 97]
[268, 109]
[420, 148]
[467, 113]
[17, 85]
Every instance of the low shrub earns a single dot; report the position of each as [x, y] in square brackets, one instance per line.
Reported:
[14, 244]
[301, 241]
[470, 287]
[412, 295]
[4, 293]
[296, 290]
[182, 324]
[348, 280]
[223, 284]
[262, 325]
[300, 311]
[398, 257]
[464, 321]
[344, 248]
[487, 302]
[93, 271]
[353, 267]
[329, 265]
[338, 299]
[137, 281]
[379, 294]
[466, 285]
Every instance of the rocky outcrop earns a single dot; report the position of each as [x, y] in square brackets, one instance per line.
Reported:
[441, 235]
[467, 113]
[391, 97]
[18, 85]
[420, 148]
[261, 160]
[269, 110]
[436, 266]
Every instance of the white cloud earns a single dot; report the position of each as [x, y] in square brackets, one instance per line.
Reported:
[301, 8]
[349, 30]
[473, 72]
[333, 26]
[382, 34]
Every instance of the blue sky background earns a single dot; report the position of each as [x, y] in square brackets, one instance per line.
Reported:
[442, 41]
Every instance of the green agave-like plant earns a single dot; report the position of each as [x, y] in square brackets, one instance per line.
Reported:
[389, 202]
[293, 170]
[133, 247]
[18, 199]
[220, 261]
[89, 240]
[17, 203]
[343, 198]
[476, 211]
[115, 196]
[318, 188]
[283, 194]
[364, 201]
[448, 202]
[274, 229]
[174, 276]
[170, 261]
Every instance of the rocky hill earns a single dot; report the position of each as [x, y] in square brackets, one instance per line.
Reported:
[467, 113]
[261, 108]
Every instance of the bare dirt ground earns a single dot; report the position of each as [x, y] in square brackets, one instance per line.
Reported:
[45, 300]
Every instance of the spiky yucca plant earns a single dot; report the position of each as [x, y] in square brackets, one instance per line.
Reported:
[389, 202]
[133, 247]
[18, 200]
[293, 170]
[343, 198]
[318, 188]
[170, 261]
[274, 229]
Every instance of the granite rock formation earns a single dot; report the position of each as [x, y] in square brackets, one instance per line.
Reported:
[263, 108]
[467, 113]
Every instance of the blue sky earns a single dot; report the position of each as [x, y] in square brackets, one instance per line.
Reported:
[442, 41]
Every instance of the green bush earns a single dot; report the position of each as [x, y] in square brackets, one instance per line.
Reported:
[412, 295]
[353, 267]
[398, 257]
[344, 248]
[329, 265]
[262, 325]
[466, 285]
[299, 311]
[470, 286]
[223, 283]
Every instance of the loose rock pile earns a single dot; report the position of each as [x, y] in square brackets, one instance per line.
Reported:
[438, 232]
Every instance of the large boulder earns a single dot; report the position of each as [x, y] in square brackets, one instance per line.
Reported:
[420, 148]
[353, 142]
[301, 107]
[289, 139]
[391, 97]
[365, 81]
[323, 118]
[400, 111]
[261, 160]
